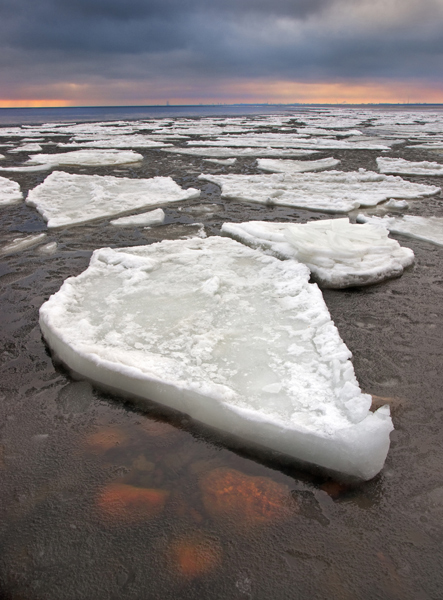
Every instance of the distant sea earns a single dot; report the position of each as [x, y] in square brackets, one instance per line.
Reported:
[35, 116]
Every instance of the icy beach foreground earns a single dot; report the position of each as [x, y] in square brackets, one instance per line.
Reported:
[238, 340]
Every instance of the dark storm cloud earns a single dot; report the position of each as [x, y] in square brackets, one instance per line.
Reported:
[285, 39]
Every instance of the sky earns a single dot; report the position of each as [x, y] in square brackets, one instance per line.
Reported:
[149, 52]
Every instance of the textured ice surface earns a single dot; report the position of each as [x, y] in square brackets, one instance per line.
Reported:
[437, 145]
[406, 167]
[153, 217]
[338, 253]
[21, 243]
[88, 158]
[221, 152]
[66, 199]
[332, 191]
[234, 338]
[296, 166]
[9, 192]
[429, 229]
[397, 204]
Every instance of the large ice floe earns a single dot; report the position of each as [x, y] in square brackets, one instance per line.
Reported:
[332, 191]
[296, 166]
[87, 158]
[338, 253]
[66, 199]
[284, 140]
[428, 229]
[117, 141]
[225, 152]
[9, 192]
[407, 167]
[238, 340]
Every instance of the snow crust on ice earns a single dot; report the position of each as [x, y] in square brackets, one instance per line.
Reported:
[21, 243]
[87, 158]
[338, 253]
[151, 218]
[332, 191]
[238, 340]
[428, 229]
[9, 192]
[296, 166]
[66, 199]
[240, 152]
[406, 167]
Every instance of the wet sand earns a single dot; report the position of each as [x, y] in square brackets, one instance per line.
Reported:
[74, 523]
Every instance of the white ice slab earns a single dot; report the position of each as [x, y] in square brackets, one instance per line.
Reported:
[429, 229]
[118, 141]
[221, 152]
[9, 192]
[21, 243]
[338, 253]
[238, 340]
[407, 167]
[88, 158]
[65, 199]
[147, 219]
[221, 161]
[27, 148]
[274, 140]
[48, 249]
[333, 191]
[296, 166]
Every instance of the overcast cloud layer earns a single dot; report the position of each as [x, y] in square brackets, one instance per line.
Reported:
[60, 45]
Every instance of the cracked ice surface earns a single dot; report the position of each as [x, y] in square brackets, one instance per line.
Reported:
[332, 191]
[406, 167]
[9, 192]
[236, 339]
[65, 199]
[296, 166]
[338, 253]
[428, 229]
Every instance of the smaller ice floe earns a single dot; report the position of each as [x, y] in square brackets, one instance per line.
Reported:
[88, 158]
[221, 161]
[329, 132]
[429, 146]
[27, 148]
[118, 141]
[238, 340]
[221, 152]
[405, 167]
[296, 166]
[48, 248]
[147, 219]
[2, 156]
[338, 253]
[397, 204]
[331, 191]
[65, 199]
[21, 243]
[9, 192]
[428, 229]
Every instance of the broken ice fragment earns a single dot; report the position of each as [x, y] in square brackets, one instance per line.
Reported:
[204, 326]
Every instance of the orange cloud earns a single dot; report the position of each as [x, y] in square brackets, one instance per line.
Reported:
[33, 103]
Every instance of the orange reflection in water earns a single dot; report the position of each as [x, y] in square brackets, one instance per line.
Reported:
[244, 500]
[194, 555]
[119, 501]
